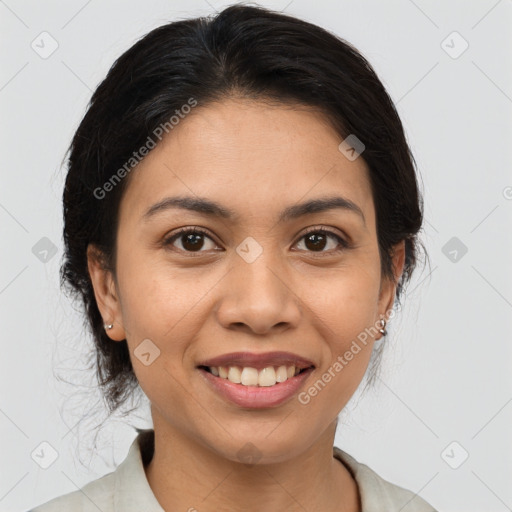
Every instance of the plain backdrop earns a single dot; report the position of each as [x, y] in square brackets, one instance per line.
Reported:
[439, 420]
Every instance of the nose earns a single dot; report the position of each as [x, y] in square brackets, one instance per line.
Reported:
[258, 298]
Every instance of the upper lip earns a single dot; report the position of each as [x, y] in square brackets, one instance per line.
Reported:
[258, 361]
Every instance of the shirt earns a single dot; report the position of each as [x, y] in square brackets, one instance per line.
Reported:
[127, 490]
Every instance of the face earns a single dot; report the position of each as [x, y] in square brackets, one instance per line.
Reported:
[251, 281]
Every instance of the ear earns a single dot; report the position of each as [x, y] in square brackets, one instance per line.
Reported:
[105, 292]
[388, 287]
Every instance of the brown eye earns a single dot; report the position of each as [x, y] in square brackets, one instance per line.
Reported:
[191, 240]
[316, 240]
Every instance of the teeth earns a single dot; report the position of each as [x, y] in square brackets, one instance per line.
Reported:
[267, 377]
[248, 376]
[234, 374]
[282, 373]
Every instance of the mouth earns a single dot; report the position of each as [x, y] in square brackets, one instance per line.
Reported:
[249, 376]
[250, 389]
[248, 367]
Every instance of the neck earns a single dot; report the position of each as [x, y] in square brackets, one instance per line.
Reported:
[186, 475]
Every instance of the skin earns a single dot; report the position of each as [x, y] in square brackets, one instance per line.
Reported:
[256, 159]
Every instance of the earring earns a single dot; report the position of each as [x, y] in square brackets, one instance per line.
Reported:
[108, 326]
[382, 329]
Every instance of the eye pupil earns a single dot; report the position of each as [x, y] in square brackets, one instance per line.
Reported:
[195, 241]
[314, 239]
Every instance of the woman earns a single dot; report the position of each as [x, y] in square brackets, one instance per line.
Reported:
[241, 214]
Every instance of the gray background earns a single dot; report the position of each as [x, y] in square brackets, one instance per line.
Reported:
[446, 371]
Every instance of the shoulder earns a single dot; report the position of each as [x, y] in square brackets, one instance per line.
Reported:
[378, 494]
[95, 495]
[125, 489]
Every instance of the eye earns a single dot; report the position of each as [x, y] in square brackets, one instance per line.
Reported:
[190, 239]
[316, 239]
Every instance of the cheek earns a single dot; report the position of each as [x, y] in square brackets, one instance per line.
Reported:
[344, 311]
[346, 301]
[157, 312]
[155, 297]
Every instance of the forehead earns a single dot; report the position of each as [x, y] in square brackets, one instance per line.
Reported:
[250, 155]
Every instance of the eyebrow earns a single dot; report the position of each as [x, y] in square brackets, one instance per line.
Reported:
[211, 208]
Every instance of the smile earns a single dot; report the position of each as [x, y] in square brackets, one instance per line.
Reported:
[248, 387]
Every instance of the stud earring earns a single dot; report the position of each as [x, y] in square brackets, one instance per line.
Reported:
[108, 326]
[382, 329]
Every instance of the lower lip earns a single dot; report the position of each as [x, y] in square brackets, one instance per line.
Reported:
[256, 396]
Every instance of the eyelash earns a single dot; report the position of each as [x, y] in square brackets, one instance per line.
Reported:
[317, 230]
